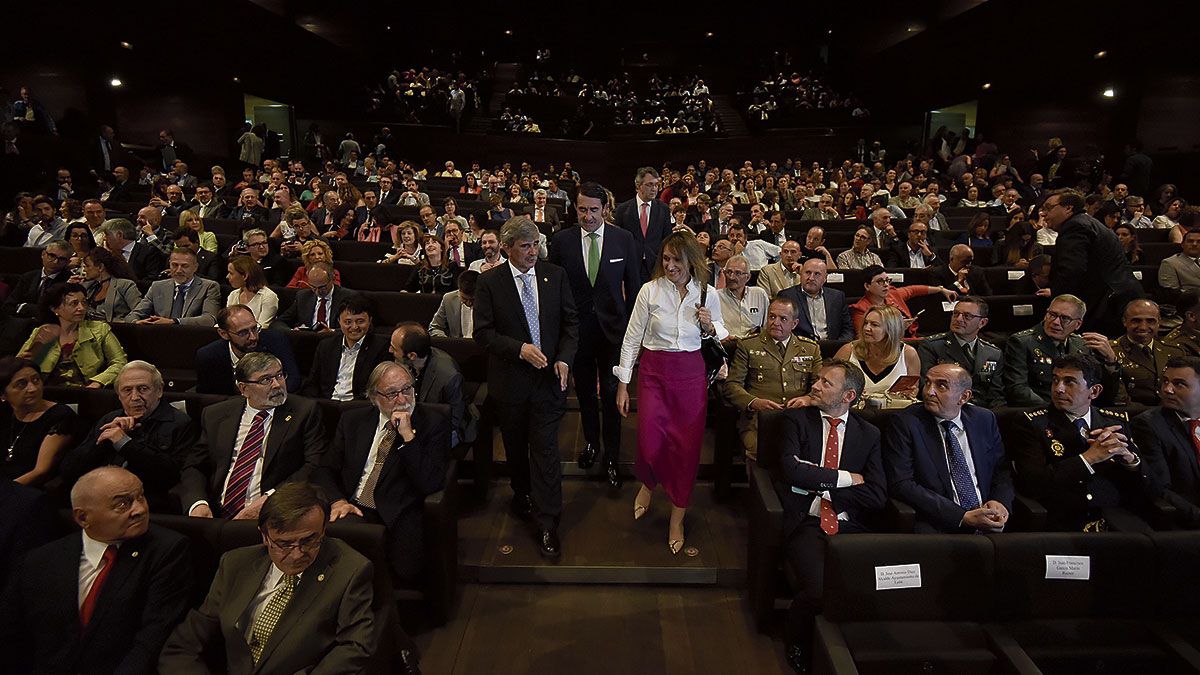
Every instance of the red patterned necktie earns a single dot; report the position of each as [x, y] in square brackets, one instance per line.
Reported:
[1194, 428]
[243, 468]
[829, 521]
[89, 602]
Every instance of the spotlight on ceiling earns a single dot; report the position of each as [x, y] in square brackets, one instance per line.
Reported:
[1108, 93]
[987, 85]
[1100, 54]
[126, 45]
[236, 78]
[116, 82]
[508, 32]
[709, 34]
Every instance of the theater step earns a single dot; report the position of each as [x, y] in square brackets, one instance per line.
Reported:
[602, 544]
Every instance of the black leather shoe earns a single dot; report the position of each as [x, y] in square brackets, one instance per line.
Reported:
[587, 457]
[522, 507]
[408, 663]
[548, 545]
[614, 478]
[797, 659]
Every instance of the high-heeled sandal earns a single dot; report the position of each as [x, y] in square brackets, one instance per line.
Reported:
[676, 545]
[639, 510]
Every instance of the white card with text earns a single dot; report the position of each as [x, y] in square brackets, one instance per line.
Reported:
[1069, 567]
[889, 577]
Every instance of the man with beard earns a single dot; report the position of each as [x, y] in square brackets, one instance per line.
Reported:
[240, 335]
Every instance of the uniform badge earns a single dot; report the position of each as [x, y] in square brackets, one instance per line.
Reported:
[288, 418]
[1057, 448]
[989, 366]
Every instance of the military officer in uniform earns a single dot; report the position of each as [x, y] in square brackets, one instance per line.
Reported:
[963, 346]
[1186, 336]
[1029, 355]
[1140, 356]
[770, 371]
[1075, 458]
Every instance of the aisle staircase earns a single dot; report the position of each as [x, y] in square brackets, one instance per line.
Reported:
[731, 120]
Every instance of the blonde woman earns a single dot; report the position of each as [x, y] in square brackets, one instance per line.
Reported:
[250, 289]
[190, 220]
[880, 352]
[313, 251]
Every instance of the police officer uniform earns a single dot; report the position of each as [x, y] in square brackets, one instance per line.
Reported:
[1028, 366]
[985, 365]
[1184, 339]
[1049, 469]
[761, 370]
[1142, 367]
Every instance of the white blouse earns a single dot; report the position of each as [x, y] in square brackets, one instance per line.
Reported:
[662, 323]
[264, 304]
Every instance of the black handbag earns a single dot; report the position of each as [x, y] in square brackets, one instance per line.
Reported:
[710, 347]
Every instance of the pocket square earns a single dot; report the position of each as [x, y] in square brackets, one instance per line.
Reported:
[616, 260]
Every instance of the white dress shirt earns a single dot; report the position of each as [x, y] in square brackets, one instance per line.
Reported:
[586, 243]
[916, 259]
[271, 581]
[661, 322]
[466, 316]
[746, 316]
[816, 313]
[961, 434]
[127, 251]
[254, 489]
[532, 276]
[477, 265]
[843, 477]
[90, 564]
[343, 388]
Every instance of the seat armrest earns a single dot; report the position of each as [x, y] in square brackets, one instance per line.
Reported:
[1028, 514]
[899, 516]
[1121, 519]
[763, 546]
[440, 520]
[1162, 514]
[831, 654]
[1174, 644]
[1013, 658]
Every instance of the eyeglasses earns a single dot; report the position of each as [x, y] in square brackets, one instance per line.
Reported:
[964, 315]
[253, 330]
[306, 544]
[1063, 318]
[266, 380]
[736, 273]
[256, 244]
[59, 258]
[406, 392]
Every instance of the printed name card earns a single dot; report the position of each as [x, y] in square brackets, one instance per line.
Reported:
[1068, 567]
[896, 277]
[891, 577]
[835, 278]
[1137, 274]
[948, 306]
[1014, 275]
[1022, 310]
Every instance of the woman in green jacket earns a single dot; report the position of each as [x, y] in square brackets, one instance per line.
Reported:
[70, 350]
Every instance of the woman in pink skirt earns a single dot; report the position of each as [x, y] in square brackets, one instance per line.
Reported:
[667, 322]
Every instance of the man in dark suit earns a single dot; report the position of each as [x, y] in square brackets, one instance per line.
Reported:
[24, 299]
[829, 478]
[913, 253]
[171, 150]
[526, 322]
[546, 217]
[1169, 439]
[240, 335]
[388, 195]
[233, 467]
[459, 252]
[438, 377]
[147, 436]
[963, 346]
[29, 521]
[258, 246]
[209, 265]
[960, 275]
[946, 460]
[315, 308]
[413, 442]
[344, 361]
[120, 238]
[102, 600]
[206, 205]
[824, 314]
[604, 270]
[183, 299]
[1075, 458]
[646, 218]
[249, 212]
[300, 602]
[1089, 262]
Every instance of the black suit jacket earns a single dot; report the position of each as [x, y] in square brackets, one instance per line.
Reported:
[322, 377]
[293, 449]
[918, 472]
[210, 265]
[144, 596]
[27, 292]
[976, 279]
[801, 466]
[895, 256]
[146, 261]
[1090, 264]
[214, 367]
[155, 452]
[610, 301]
[552, 223]
[1171, 464]
[650, 245]
[412, 471]
[837, 313]
[29, 521]
[501, 329]
[300, 313]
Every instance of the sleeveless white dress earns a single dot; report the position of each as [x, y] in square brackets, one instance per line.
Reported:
[898, 371]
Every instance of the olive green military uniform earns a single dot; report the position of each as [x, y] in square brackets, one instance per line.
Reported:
[1028, 366]
[1184, 339]
[985, 367]
[761, 370]
[1142, 367]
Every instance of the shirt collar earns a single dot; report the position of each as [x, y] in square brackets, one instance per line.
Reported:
[354, 347]
[517, 274]
[844, 417]
[599, 231]
[640, 202]
[1086, 417]
[94, 550]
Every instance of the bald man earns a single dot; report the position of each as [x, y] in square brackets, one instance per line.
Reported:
[1141, 356]
[960, 274]
[102, 600]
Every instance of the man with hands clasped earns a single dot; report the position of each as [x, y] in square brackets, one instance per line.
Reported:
[945, 458]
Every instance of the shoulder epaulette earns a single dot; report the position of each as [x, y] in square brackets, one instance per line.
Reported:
[937, 336]
[1119, 414]
[1027, 331]
[807, 339]
[988, 343]
[1035, 413]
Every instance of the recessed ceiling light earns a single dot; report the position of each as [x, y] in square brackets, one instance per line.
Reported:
[387, 27]
[508, 32]
[1109, 93]
[709, 34]
[987, 85]
[1100, 54]
[829, 32]
[236, 78]
[913, 29]
[126, 45]
[116, 82]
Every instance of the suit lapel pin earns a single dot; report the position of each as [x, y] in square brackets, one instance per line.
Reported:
[134, 554]
[288, 418]
[545, 280]
[320, 577]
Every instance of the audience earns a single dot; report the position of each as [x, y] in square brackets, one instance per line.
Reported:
[890, 366]
[39, 431]
[250, 289]
[963, 347]
[70, 349]
[240, 334]
[879, 292]
[455, 316]
[109, 289]
[184, 299]
[343, 362]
